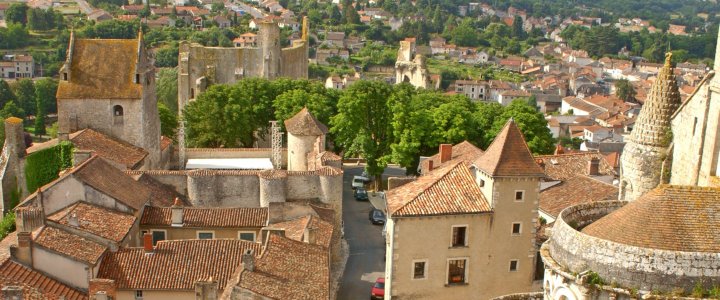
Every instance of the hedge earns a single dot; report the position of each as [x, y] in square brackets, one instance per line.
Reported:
[42, 167]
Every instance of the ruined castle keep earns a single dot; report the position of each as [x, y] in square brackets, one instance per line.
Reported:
[646, 154]
[202, 66]
[412, 69]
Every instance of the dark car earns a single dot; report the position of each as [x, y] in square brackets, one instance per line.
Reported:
[360, 194]
[377, 217]
[378, 289]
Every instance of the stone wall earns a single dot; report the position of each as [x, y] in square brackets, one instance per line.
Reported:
[295, 61]
[625, 265]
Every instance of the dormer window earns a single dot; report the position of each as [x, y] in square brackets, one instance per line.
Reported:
[65, 76]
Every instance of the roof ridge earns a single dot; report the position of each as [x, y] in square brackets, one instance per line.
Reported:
[434, 182]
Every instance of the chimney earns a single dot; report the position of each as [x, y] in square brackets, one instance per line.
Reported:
[73, 220]
[430, 165]
[559, 149]
[248, 260]
[15, 136]
[445, 152]
[594, 166]
[206, 289]
[177, 213]
[148, 242]
[309, 235]
[80, 156]
[29, 218]
[102, 289]
[12, 292]
[24, 248]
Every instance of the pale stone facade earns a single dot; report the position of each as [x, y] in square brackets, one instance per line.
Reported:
[646, 151]
[410, 67]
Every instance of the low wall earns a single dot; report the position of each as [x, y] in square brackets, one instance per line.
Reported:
[194, 153]
[625, 265]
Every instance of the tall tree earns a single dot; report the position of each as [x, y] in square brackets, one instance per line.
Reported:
[6, 94]
[532, 124]
[24, 90]
[45, 90]
[363, 123]
[168, 121]
[350, 13]
[625, 90]
[167, 89]
[517, 28]
[40, 117]
[17, 13]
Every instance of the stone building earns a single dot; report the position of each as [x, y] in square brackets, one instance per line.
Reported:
[410, 67]
[646, 154]
[200, 67]
[109, 86]
[465, 230]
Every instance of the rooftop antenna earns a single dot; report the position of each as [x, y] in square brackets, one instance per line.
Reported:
[276, 144]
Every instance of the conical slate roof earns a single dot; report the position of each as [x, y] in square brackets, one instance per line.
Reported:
[508, 155]
[653, 123]
[304, 123]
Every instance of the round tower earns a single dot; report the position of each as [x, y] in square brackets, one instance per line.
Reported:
[646, 151]
[273, 185]
[269, 43]
[306, 139]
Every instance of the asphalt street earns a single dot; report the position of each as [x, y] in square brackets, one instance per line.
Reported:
[367, 245]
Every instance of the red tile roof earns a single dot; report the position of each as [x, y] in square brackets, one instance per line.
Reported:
[304, 123]
[450, 189]
[36, 285]
[109, 148]
[675, 218]
[573, 191]
[464, 151]
[161, 195]
[237, 217]
[69, 244]
[107, 179]
[566, 166]
[175, 265]
[100, 221]
[295, 229]
[509, 155]
[289, 270]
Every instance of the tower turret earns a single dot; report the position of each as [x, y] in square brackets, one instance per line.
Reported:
[646, 150]
[306, 139]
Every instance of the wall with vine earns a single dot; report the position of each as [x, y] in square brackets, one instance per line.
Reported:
[42, 167]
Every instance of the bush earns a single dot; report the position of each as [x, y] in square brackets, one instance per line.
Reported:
[43, 166]
[7, 224]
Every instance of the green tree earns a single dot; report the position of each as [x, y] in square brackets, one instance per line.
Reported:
[167, 89]
[168, 121]
[6, 94]
[351, 15]
[363, 123]
[517, 28]
[465, 35]
[532, 124]
[12, 110]
[24, 91]
[45, 90]
[167, 57]
[17, 13]
[14, 36]
[40, 116]
[625, 90]
[291, 102]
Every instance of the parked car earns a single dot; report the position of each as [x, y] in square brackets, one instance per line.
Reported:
[359, 182]
[361, 194]
[377, 217]
[378, 289]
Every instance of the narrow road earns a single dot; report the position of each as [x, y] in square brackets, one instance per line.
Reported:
[367, 245]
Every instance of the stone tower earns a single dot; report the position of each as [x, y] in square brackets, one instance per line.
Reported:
[646, 153]
[306, 139]
[269, 42]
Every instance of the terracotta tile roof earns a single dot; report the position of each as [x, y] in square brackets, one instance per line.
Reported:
[508, 155]
[450, 189]
[566, 166]
[36, 285]
[289, 270]
[100, 221]
[109, 148]
[573, 191]
[676, 218]
[325, 213]
[295, 229]
[161, 195]
[326, 156]
[236, 217]
[107, 179]
[175, 265]
[165, 142]
[304, 123]
[102, 69]
[464, 151]
[68, 244]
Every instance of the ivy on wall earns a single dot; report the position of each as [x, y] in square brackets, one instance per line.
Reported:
[7, 224]
[42, 167]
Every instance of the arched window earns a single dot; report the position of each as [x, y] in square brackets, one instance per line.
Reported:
[118, 111]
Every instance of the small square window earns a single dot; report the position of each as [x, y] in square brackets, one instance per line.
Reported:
[513, 265]
[419, 268]
[516, 227]
[138, 294]
[247, 236]
[519, 195]
[205, 235]
[458, 236]
[158, 236]
[482, 183]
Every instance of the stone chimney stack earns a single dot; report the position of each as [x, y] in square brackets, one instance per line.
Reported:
[148, 243]
[177, 213]
[594, 166]
[559, 149]
[15, 137]
[430, 165]
[102, 289]
[24, 248]
[28, 218]
[309, 235]
[73, 220]
[248, 260]
[80, 156]
[12, 292]
[445, 152]
[206, 289]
